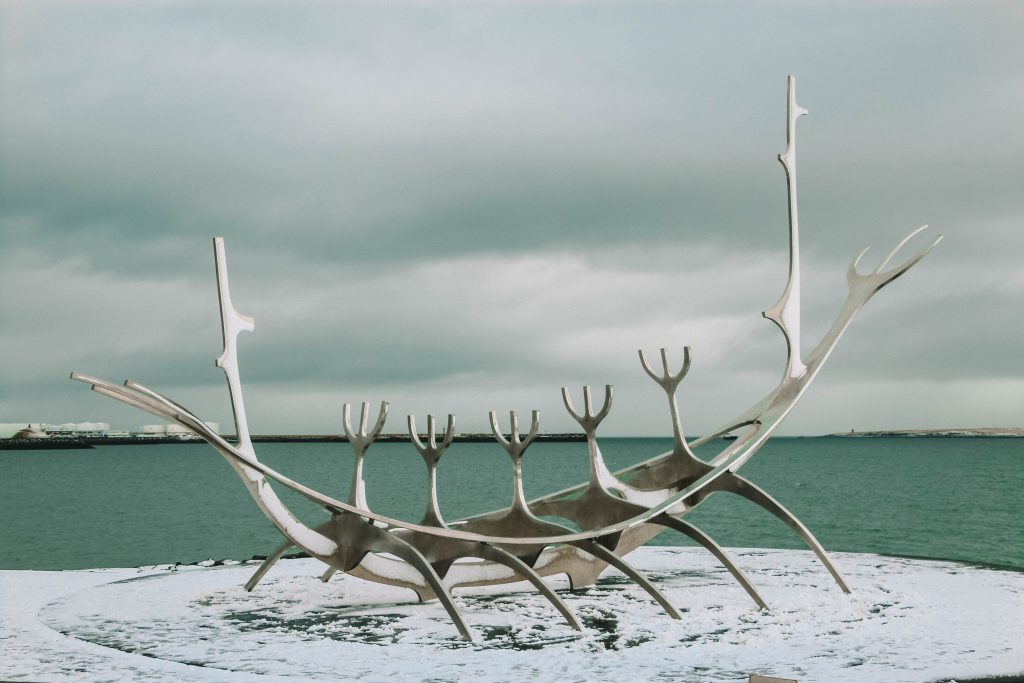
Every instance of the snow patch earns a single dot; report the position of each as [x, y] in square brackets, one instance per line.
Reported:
[907, 620]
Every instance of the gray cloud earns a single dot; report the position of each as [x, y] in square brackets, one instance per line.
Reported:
[455, 205]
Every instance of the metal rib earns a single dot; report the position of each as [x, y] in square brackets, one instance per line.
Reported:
[267, 564]
[501, 556]
[391, 544]
[605, 555]
[709, 544]
[734, 483]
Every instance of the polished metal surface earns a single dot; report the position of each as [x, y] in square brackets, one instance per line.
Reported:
[615, 511]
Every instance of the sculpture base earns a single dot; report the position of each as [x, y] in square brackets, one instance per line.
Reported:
[911, 620]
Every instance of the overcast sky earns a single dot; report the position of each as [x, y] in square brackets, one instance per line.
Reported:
[463, 207]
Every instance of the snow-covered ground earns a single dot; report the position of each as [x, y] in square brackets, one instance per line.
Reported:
[907, 620]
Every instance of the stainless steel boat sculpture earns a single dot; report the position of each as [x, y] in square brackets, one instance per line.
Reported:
[617, 511]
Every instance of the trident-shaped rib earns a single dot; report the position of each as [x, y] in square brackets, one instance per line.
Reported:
[360, 441]
[516, 447]
[602, 481]
[589, 422]
[685, 460]
[432, 453]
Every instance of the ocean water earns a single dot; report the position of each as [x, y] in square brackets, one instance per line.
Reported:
[123, 506]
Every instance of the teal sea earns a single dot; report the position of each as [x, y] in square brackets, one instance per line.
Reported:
[124, 506]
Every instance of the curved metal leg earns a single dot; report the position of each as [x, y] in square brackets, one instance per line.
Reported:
[389, 544]
[755, 494]
[267, 564]
[495, 554]
[602, 553]
[326, 576]
[715, 549]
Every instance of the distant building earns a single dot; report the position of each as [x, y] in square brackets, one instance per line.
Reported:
[66, 430]
[102, 430]
[78, 429]
[174, 431]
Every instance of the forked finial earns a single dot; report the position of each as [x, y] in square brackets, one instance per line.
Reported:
[430, 451]
[514, 446]
[361, 438]
[588, 420]
[667, 380]
[670, 382]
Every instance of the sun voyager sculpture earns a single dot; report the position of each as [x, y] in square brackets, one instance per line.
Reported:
[616, 512]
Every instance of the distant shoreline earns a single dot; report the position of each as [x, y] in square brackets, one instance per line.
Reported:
[85, 442]
[983, 432]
